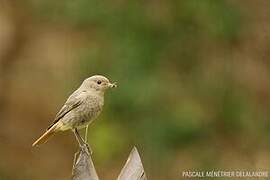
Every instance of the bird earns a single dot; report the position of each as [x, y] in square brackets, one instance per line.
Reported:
[80, 109]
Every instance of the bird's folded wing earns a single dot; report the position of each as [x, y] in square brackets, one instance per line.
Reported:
[73, 101]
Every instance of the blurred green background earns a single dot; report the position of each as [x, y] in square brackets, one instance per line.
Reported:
[193, 77]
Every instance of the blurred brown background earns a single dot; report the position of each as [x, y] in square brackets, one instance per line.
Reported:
[193, 76]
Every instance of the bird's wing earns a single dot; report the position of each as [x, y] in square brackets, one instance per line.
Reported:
[73, 101]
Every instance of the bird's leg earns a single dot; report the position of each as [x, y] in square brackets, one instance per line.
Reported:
[78, 137]
[86, 134]
[80, 140]
[86, 139]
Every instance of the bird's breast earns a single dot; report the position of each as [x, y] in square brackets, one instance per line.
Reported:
[89, 110]
[93, 107]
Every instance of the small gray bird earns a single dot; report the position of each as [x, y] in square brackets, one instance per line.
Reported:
[80, 109]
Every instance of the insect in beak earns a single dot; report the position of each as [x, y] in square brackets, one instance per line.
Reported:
[112, 85]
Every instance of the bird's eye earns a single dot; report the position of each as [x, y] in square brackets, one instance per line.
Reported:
[98, 82]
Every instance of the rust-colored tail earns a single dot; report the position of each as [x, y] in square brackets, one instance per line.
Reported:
[44, 137]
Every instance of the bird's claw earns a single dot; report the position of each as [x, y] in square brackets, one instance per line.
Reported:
[87, 148]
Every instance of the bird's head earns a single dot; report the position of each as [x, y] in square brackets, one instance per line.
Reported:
[97, 83]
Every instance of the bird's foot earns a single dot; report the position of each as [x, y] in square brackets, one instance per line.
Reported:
[86, 147]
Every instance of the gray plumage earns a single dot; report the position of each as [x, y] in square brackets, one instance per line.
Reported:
[81, 108]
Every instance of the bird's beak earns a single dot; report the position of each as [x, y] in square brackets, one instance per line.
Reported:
[112, 85]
